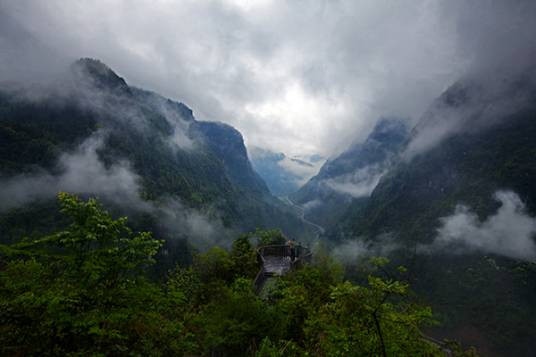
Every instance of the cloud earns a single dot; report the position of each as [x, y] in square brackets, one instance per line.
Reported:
[180, 139]
[83, 173]
[510, 232]
[296, 169]
[494, 33]
[303, 170]
[360, 183]
[471, 105]
[295, 77]
[201, 230]
[310, 205]
[497, 40]
[353, 250]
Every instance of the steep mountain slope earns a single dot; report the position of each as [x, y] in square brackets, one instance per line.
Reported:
[93, 134]
[468, 145]
[456, 206]
[351, 177]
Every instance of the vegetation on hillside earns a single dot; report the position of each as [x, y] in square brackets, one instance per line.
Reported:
[85, 290]
[485, 292]
[174, 157]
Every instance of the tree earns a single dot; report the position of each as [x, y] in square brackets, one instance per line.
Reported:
[82, 290]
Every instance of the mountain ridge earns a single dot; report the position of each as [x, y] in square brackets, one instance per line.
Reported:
[203, 165]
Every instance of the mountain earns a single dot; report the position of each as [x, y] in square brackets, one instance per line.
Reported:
[92, 134]
[459, 207]
[351, 176]
[472, 142]
[283, 174]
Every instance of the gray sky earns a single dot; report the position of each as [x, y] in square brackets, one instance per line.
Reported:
[300, 77]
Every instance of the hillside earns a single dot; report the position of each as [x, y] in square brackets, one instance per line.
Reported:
[91, 133]
[350, 177]
[458, 208]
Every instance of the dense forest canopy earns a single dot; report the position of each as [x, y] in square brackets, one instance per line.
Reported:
[85, 290]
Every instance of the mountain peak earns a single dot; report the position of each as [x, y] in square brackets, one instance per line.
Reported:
[98, 74]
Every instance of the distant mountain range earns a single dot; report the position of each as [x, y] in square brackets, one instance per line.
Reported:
[283, 174]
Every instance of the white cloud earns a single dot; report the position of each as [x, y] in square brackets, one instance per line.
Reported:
[298, 77]
[84, 174]
[360, 183]
[509, 232]
[302, 169]
[354, 250]
[310, 205]
[293, 77]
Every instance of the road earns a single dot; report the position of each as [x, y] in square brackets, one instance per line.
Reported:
[301, 213]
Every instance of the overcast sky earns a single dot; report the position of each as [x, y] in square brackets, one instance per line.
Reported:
[300, 77]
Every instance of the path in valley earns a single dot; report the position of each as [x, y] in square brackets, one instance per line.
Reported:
[301, 213]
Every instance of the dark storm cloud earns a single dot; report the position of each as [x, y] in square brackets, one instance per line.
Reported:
[294, 76]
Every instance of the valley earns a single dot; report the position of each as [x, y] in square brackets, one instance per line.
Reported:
[192, 185]
[268, 178]
[301, 213]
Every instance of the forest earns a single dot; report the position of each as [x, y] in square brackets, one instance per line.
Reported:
[87, 289]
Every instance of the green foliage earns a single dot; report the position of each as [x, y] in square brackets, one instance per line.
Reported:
[269, 236]
[466, 168]
[236, 320]
[244, 258]
[365, 321]
[331, 317]
[83, 291]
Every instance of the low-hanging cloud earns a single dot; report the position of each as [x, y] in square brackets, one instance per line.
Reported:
[310, 205]
[180, 138]
[497, 40]
[510, 232]
[354, 250]
[470, 106]
[303, 170]
[83, 173]
[360, 183]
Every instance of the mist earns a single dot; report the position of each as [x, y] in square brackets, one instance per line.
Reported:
[83, 173]
[355, 250]
[471, 106]
[510, 232]
[499, 45]
[360, 183]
